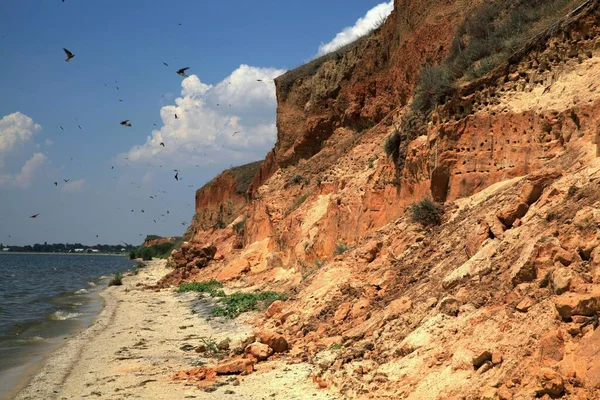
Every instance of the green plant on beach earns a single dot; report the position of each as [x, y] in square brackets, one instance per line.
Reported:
[117, 280]
[211, 344]
[238, 303]
[336, 346]
[212, 287]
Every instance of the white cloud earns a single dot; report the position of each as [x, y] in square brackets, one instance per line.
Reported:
[49, 142]
[362, 26]
[15, 129]
[76, 186]
[229, 122]
[25, 177]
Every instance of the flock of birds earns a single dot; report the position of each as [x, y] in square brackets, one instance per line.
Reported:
[127, 123]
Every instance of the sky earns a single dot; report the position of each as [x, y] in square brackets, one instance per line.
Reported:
[60, 121]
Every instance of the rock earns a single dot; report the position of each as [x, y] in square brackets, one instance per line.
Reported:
[525, 304]
[476, 236]
[224, 344]
[248, 341]
[570, 304]
[369, 252]
[497, 358]
[551, 347]
[531, 192]
[564, 257]
[481, 359]
[495, 226]
[276, 341]
[398, 307]
[274, 308]
[360, 308]
[511, 213]
[449, 306]
[561, 280]
[342, 312]
[201, 349]
[235, 382]
[550, 383]
[523, 270]
[260, 351]
[235, 366]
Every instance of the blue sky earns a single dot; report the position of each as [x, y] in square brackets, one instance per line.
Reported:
[225, 116]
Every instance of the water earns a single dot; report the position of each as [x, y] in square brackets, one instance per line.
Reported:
[44, 298]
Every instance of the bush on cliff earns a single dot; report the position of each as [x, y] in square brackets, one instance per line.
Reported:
[426, 212]
[392, 145]
[162, 250]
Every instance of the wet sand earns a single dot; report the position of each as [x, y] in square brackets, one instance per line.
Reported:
[139, 341]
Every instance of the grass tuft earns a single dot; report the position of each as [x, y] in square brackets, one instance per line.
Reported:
[238, 303]
[212, 287]
[117, 280]
[426, 212]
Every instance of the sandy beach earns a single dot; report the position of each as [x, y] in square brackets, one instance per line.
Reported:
[142, 337]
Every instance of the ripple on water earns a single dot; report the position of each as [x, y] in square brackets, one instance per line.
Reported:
[63, 315]
[82, 291]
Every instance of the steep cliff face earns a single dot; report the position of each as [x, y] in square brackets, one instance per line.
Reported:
[498, 301]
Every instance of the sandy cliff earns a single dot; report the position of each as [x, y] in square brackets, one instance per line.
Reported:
[501, 299]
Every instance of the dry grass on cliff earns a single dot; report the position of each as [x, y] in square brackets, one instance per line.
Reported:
[487, 38]
[244, 174]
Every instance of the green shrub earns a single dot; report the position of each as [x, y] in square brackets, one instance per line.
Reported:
[117, 280]
[572, 190]
[426, 212]
[434, 85]
[132, 255]
[392, 145]
[140, 264]
[212, 287]
[340, 248]
[162, 250]
[238, 303]
[211, 344]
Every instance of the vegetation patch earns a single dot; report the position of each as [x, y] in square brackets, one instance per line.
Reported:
[212, 287]
[488, 37]
[244, 175]
[117, 280]
[162, 250]
[426, 212]
[340, 248]
[238, 303]
[298, 202]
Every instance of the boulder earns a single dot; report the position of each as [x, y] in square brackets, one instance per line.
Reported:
[550, 383]
[511, 213]
[260, 351]
[449, 306]
[524, 270]
[235, 366]
[476, 236]
[276, 341]
[570, 304]
[561, 280]
[481, 359]
[565, 257]
[274, 308]
[525, 304]
[398, 307]
[342, 312]
[360, 308]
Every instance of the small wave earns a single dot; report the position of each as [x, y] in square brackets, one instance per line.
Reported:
[63, 315]
[82, 291]
[103, 277]
[35, 339]
[92, 284]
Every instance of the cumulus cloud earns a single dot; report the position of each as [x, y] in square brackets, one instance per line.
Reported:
[230, 122]
[16, 129]
[362, 26]
[76, 186]
[25, 177]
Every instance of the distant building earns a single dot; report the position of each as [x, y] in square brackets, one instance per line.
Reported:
[95, 251]
[78, 250]
[6, 249]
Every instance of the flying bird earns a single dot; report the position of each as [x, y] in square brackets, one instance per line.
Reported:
[120, 101]
[126, 123]
[66, 180]
[79, 126]
[177, 176]
[113, 167]
[259, 80]
[165, 64]
[34, 216]
[62, 128]
[176, 117]
[181, 72]
[55, 183]
[162, 144]
[69, 55]
[144, 211]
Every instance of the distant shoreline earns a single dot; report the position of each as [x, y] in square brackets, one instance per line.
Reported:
[65, 254]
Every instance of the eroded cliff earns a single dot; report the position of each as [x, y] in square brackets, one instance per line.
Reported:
[501, 299]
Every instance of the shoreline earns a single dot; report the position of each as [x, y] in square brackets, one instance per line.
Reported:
[141, 338]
